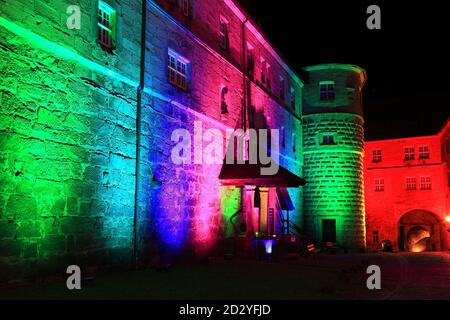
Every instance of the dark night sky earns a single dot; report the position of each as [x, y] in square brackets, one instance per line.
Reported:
[407, 61]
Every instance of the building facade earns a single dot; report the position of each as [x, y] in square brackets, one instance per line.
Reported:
[114, 126]
[407, 185]
[91, 97]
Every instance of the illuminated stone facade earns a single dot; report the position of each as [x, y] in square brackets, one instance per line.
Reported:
[333, 150]
[68, 129]
[407, 183]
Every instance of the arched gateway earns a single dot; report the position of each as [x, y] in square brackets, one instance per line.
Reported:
[420, 231]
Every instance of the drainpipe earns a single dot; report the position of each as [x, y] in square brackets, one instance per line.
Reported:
[140, 89]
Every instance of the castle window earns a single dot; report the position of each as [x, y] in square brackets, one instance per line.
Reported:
[186, 7]
[411, 184]
[377, 156]
[409, 154]
[375, 237]
[106, 30]
[250, 60]
[263, 71]
[268, 76]
[178, 70]
[224, 38]
[282, 94]
[328, 140]
[425, 183]
[379, 185]
[327, 90]
[424, 152]
[293, 102]
[223, 100]
[283, 137]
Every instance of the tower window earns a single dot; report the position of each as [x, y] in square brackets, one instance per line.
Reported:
[424, 152]
[178, 70]
[328, 140]
[411, 184]
[263, 71]
[425, 183]
[106, 26]
[377, 156]
[327, 90]
[223, 33]
[379, 185]
[223, 100]
[409, 154]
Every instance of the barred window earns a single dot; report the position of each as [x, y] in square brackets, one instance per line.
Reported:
[327, 90]
[178, 70]
[409, 153]
[328, 140]
[424, 152]
[411, 183]
[379, 185]
[106, 26]
[425, 183]
[377, 155]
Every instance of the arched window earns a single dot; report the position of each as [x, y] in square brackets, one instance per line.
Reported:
[223, 100]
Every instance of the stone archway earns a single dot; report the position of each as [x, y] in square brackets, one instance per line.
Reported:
[420, 231]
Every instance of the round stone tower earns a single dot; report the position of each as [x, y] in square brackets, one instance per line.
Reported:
[333, 147]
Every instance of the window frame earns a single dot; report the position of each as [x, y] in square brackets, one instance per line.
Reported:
[424, 152]
[250, 59]
[411, 183]
[263, 71]
[224, 35]
[223, 100]
[331, 142]
[377, 155]
[379, 185]
[409, 153]
[180, 62]
[426, 183]
[106, 28]
[327, 94]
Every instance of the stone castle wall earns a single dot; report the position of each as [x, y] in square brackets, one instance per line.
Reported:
[334, 173]
[67, 139]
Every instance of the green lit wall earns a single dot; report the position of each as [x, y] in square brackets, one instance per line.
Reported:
[67, 141]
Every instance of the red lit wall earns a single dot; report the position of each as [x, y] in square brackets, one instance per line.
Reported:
[385, 208]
